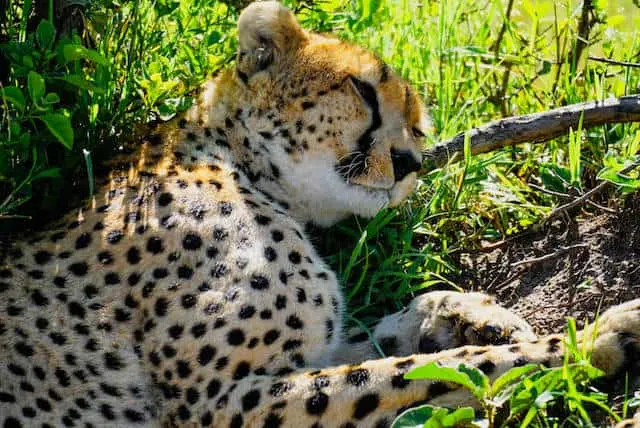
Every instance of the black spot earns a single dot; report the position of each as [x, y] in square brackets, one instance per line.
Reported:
[281, 302]
[487, 367]
[24, 349]
[42, 323]
[206, 419]
[307, 105]
[294, 322]
[112, 361]
[259, 282]
[235, 337]
[159, 273]
[247, 312]
[57, 338]
[236, 421]
[112, 278]
[365, 405]
[398, 381]
[358, 377]
[198, 330]
[272, 421]
[284, 277]
[175, 331]
[302, 295]
[262, 220]
[222, 363]
[242, 370]
[161, 306]
[43, 404]
[278, 389]
[133, 415]
[76, 309]
[39, 299]
[183, 369]
[270, 254]
[436, 389]
[189, 301]
[83, 241]
[165, 199]
[107, 412]
[271, 336]
[110, 390]
[266, 314]
[79, 268]
[133, 255]
[191, 242]
[225, 208]
[154, 245]
[42, 257]
[317, 404]
[121, 315]
[219, 233]
[428, 345]
[294, 257]
[213, 388]
[169, 351]
[291, 344]
[5, 397]
[553, 345]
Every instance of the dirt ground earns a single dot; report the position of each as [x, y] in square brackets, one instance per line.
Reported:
[570, 267]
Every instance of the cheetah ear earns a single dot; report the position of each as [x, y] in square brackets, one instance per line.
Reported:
[267, 33]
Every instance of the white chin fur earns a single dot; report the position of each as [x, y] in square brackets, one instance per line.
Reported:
[326, 198]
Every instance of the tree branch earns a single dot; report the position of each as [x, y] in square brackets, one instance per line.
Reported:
[534, 128]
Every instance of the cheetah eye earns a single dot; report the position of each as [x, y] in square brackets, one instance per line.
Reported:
[417, 133]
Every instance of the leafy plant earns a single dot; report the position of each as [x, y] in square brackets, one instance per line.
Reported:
[529, 394]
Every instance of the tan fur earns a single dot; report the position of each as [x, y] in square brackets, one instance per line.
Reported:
[186, 293]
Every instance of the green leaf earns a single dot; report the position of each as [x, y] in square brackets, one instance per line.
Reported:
[433, 371]
[413, 418]
[51, 98]
[47, 173]
[60, 126]
[459, 417]
[45, 34]
[27, 61]
[35, 84]
[73, 52]
[14, 96]
[510, 377]
[479, 379]
[80, 82]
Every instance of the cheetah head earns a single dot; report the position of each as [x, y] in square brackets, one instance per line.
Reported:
[333, 129]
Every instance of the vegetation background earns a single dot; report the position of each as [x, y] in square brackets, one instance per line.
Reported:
[79, 79]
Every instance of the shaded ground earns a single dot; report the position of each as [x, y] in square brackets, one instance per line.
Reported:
[570, 268]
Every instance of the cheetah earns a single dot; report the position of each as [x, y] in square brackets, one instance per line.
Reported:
[188, 294]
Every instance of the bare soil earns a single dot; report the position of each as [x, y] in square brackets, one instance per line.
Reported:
[570, 267]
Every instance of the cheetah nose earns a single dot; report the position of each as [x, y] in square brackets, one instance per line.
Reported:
[404, 163]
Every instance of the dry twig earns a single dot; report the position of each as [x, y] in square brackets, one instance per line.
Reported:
[534, 128]
[614, 62]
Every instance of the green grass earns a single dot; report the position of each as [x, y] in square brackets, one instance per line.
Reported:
[473, 61]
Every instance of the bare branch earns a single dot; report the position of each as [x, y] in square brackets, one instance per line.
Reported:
[614, 62]
[534, 128]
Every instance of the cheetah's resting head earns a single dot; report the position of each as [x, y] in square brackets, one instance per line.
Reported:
[320, 124]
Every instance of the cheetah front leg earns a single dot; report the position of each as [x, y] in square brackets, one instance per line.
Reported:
[372, 393]
[435, 322]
